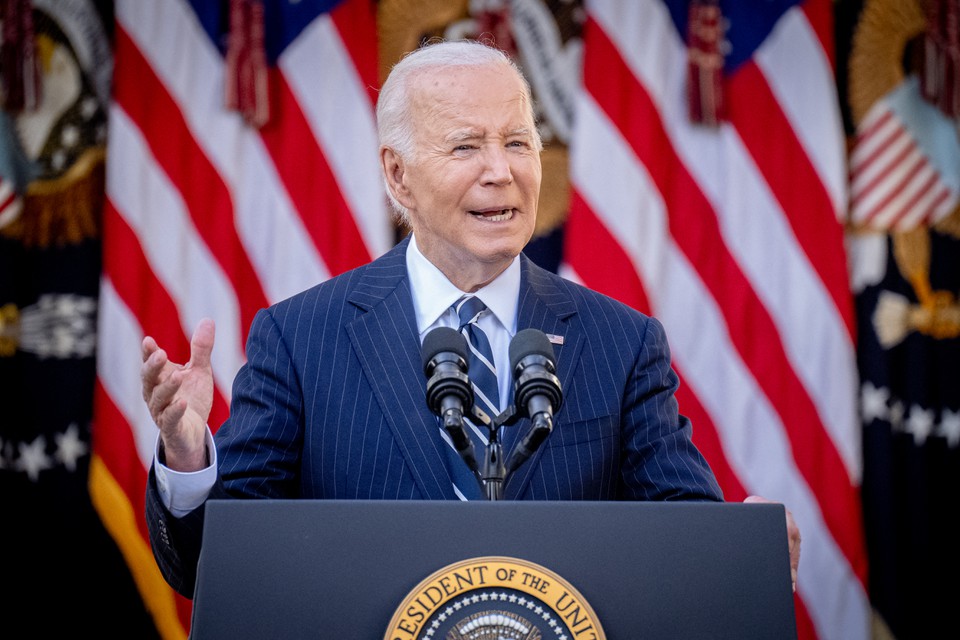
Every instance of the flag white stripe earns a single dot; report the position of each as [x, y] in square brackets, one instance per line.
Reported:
[755, 231]
[710, 365]
[870, 203]
[864, 185]
[272, 233]
[925, 209]
[144, 196]
[868, 145]
[800, 75]
[121, 380]
[908, 188]
[332, 99]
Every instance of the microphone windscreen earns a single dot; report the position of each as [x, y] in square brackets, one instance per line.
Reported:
[529, 342]
[440, 340]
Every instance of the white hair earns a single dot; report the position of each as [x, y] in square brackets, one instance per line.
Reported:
[394, 121]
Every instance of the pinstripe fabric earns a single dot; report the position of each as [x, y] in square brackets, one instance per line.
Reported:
[331, 404]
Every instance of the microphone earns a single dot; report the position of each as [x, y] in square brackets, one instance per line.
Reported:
[536, 389]
[449, 392]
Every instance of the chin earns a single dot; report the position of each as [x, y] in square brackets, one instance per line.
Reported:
[501, 251]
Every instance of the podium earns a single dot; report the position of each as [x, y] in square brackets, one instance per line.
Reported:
[412, 569]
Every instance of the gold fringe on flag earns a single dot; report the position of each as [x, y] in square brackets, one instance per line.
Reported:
[879, 44]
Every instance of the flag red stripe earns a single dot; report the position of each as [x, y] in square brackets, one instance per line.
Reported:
[897, 184]
[787, 169]
[820, 17]
[350, 19]
[139, 92]
[805, 628]
[599, 259]
[113, 442]
[874, 128]
[601, 263]
[313, 188]
[145, 296]
[910, 206]
[889, 167]
[143, 293]
[9, 199]
[931, 214]
[707, 440]
[694, 227]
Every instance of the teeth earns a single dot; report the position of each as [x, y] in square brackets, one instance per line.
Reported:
[504, 214]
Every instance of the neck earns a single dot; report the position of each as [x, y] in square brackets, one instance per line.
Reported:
[468, 275]
[473, 279]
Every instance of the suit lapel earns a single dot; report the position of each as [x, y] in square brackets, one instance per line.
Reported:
[547, 307]
[387, 344]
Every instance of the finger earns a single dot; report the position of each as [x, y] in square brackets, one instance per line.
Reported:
[150, 372]
[172, 414]
[147, 346]
[793, 534]
[793, 538]
[201, 344]
[161, 399]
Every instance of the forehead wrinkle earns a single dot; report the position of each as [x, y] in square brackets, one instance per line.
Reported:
[467, 134]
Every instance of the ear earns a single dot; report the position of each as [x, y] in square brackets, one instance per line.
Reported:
[394, 171]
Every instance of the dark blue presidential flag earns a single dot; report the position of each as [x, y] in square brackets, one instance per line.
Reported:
[903, 94]
[62, 572]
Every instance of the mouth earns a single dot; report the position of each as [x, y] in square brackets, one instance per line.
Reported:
[494, 215]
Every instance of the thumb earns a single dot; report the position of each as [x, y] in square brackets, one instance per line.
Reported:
[201, 344]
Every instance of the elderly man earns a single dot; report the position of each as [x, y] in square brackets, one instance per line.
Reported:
[330, 404]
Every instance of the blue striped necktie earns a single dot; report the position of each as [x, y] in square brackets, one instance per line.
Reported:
[483, 377]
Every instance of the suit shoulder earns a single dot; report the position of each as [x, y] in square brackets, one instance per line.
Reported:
[358, 286]
[329, 292]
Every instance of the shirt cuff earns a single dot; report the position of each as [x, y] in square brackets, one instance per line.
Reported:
[182, 492]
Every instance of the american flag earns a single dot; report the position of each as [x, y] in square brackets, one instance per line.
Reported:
[903, 167]
[732, 236]
[209, 215]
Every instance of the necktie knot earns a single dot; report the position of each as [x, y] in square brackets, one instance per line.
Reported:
[468, 309]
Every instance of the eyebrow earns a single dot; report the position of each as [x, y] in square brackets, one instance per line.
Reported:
[472, 134]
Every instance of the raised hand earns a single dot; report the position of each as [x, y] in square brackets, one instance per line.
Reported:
[179, 397]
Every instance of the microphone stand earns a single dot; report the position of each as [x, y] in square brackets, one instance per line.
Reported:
[492, 470]
[493, 474]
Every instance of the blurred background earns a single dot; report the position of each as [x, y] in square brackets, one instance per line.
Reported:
[777, 181]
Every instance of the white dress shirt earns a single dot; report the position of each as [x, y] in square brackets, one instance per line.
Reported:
[433, 295]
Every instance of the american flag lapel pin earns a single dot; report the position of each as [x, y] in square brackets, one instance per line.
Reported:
[554, 339]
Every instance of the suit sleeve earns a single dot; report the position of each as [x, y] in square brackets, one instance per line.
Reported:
[659, 459]
[176, 541]
[258, 452]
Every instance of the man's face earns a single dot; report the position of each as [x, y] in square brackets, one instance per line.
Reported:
[473, 181]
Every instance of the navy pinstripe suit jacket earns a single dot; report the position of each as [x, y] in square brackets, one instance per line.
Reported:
[331, 405]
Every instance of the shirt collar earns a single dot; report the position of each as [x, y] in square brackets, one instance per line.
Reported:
[433, 293]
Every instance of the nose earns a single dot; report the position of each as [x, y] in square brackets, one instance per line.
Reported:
[496, 166]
